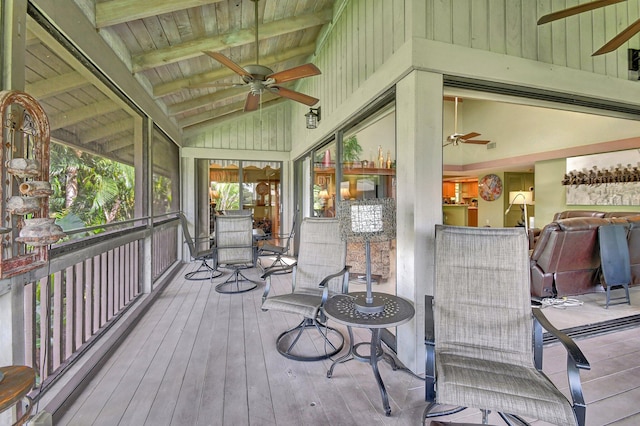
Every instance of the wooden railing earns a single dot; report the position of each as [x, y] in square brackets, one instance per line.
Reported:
[165, 246]
[87, 287]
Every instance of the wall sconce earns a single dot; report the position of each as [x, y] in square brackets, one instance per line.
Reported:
[313, 117]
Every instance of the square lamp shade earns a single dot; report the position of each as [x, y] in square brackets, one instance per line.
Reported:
[365, 221]
[521, 197]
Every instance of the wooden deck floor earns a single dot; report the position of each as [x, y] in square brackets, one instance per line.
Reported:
[203, 358]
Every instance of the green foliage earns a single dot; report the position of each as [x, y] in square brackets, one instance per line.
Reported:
[229, 196]
[94, 190]
[351, 149]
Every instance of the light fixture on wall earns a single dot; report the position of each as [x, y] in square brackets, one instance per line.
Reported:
[313, 118]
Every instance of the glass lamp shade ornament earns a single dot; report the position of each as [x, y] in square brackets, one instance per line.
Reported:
[365, 221]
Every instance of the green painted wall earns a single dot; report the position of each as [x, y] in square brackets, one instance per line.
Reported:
[550, 193]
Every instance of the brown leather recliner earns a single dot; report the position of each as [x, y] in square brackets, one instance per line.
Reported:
[566, 214]
[566, 258]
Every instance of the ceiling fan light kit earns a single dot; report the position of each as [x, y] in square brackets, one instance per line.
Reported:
[260, 78]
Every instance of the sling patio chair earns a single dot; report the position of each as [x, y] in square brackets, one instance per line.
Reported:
[272, 250]
[204, 255]
[615, 264]
[234, 249]
[319, 273]
[479, 328]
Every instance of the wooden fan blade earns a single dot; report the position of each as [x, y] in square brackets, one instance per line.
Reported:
[576, 10]
[469, 136]
[294, 96]
[295, 73]
[252, 103]
[618, 40]
[477, 141]
[229, 64]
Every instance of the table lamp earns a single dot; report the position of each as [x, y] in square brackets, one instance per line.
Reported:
[522, 198]
[365, 221]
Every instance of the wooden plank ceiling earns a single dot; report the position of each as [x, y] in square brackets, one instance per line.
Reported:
[165, 40]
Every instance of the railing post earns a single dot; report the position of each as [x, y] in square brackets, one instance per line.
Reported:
[147, 264]
[11, 332]
[12, 324]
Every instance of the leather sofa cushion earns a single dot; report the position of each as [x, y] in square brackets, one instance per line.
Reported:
[577, 213]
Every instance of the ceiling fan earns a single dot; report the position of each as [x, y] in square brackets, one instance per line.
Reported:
[612, 44]
[260, 78]
[458, 138]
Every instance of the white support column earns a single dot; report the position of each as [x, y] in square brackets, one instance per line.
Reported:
[13, 41]
[419, 177]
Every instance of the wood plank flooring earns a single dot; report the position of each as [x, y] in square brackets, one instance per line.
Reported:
[203, 358]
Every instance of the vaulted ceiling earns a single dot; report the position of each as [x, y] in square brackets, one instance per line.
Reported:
[163, 42]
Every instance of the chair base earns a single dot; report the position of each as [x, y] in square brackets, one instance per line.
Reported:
[509, 419]
[328, 338]
[278, 266]
[204, 272]
[623, 299]
[237, 282]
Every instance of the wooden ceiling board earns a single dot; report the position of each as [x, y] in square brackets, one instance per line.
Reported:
[165, 40]
[113, 12]
[241, 37]
[160, 29]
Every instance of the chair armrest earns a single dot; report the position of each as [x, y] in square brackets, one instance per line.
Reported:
[573, 351]
[575, 361]
[267, 279]
[323, 283]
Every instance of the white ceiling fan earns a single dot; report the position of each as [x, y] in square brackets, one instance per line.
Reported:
[458, 138]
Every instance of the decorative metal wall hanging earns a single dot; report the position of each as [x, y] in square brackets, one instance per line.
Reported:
[25, 227]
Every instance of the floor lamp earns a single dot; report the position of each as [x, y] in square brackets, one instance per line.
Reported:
[365, 221]
[522, 198]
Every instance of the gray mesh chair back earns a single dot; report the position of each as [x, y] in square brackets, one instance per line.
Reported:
[319, 273]
[322, 253]
[483, 328]
[234, 249]
[614, 261]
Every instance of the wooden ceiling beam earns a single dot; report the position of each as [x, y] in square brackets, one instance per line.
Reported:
[195, 103]
[195, 128]
[118, 144]
[119, 11]
[56, 85]
[224, 72]
[75, 116]
[219, 112]
[109, 130]
[194, 48]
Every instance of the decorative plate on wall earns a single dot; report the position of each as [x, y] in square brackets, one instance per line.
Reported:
[490, 187]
